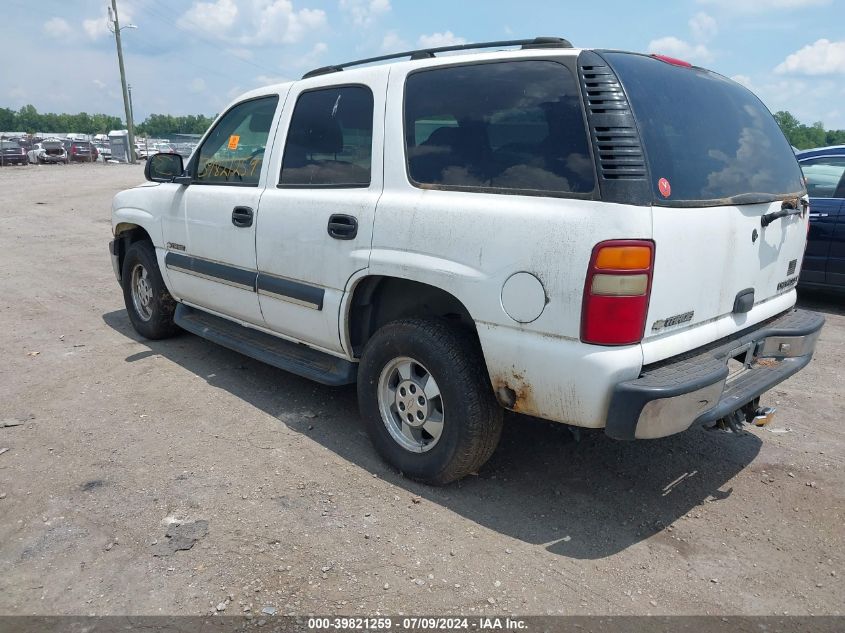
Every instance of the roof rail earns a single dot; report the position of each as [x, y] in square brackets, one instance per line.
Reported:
[427, 53]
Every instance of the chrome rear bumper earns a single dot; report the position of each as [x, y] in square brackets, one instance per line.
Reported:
[670, 396]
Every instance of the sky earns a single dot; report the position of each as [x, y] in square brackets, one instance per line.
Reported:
[195, 56]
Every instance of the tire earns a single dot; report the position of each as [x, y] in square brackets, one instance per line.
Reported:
[151, 309]
[469, 418]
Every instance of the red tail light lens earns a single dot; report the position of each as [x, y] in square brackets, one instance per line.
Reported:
[616, 292]
[672, 60]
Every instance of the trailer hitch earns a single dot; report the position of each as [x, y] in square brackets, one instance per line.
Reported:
[751, 413]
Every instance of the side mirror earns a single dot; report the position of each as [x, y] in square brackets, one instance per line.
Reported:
[163, 167]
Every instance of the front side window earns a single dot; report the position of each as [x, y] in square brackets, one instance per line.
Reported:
[330, 140]
[825, 177]
[510, 126]
[233, 152]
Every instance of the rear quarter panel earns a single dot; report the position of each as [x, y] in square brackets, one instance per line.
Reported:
[469, 244]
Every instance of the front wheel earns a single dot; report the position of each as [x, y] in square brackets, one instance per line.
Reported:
[426, 400]
[147, 299]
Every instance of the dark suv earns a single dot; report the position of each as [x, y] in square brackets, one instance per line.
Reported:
[12, 153]
[82, 151]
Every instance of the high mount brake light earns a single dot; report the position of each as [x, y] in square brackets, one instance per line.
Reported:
[672, 60]
[616, 292]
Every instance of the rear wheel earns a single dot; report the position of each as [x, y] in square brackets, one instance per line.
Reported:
[147, 299]
[426, 400]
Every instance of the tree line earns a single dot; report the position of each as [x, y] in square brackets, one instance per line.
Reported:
[807, 136]
[29, 120]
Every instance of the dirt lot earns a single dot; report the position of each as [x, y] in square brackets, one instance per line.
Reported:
[120, 438]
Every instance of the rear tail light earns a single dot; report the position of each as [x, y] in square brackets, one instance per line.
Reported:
[616, 292]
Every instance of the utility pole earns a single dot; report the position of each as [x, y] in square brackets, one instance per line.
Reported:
[131, 109]
[126, 103]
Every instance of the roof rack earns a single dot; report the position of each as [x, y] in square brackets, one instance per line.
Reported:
[427, 53]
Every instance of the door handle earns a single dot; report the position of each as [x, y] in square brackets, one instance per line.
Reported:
[242, 216]
[342, 227]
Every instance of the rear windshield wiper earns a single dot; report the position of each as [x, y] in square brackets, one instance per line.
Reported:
[787, 208]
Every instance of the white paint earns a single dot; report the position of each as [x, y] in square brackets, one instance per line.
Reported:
[477, 247]
[523, 297]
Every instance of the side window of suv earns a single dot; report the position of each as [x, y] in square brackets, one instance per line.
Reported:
[825, 176]
[233, 152]
[330, 140]
[504, 127]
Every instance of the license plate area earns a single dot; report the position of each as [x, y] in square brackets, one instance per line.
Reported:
[740, 360]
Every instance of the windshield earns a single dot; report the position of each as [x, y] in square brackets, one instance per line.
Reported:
[708, 140]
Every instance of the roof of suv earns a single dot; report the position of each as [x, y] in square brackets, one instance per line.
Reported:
[425, 58]
[430, 53]
[835, 150]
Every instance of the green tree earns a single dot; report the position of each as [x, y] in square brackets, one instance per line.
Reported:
[7, 120]
[807, 136]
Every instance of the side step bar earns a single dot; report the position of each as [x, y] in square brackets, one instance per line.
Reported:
[293, 357]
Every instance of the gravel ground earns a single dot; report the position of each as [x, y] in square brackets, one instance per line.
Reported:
[121, 449]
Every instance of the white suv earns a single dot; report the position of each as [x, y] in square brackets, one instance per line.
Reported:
[600, 238]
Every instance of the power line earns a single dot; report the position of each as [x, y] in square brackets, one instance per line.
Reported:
[170, 22]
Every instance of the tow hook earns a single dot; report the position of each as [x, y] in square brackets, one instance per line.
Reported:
[751, 413]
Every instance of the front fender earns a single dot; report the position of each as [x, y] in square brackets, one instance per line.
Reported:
[132, 208]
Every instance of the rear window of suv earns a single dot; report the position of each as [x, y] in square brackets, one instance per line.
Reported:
[503, 127]
[710, 138]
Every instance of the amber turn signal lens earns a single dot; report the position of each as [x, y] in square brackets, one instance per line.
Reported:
[623, 258]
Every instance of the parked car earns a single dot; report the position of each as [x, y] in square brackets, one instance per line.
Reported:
[824, 260]
[83, 151]
[539, 230]
[103, 149]
[12, 153]
[50, 150]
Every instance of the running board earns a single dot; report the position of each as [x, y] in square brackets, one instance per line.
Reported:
[293, 357]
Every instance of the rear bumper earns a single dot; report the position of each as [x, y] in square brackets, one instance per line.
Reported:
[670, 396]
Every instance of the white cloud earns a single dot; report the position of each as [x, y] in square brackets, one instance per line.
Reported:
[99, 83]
[258, 23]
[761, 6]
[197, 85]
[56, 27]
[364, 12]
[279, 22]
[213, 18]
[312, 57]
[745, 80]
[703, 26]
[267, 80]
[96, 27]
[99, 26]
[440, 39]
[392, 43]
[822, 57]
[676, 47]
